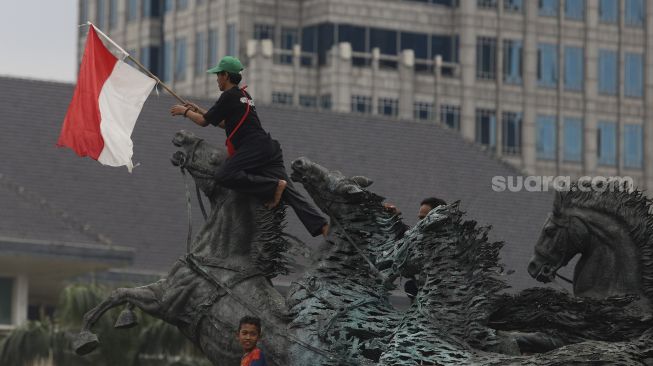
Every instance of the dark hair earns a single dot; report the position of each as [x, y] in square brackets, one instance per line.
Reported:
[433, 202]
[250, 320]
[234, 78]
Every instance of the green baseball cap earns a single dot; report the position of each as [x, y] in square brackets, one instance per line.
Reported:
[229, 64]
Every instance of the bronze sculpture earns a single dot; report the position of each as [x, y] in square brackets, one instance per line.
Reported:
[338, 312]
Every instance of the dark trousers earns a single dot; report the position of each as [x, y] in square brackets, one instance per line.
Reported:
[256, 169]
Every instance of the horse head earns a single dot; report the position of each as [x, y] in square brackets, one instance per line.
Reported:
[610, 229]
[200, 159]
[563, 236]
[331, 190]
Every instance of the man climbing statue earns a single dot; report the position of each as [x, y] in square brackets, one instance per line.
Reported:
[255, 164]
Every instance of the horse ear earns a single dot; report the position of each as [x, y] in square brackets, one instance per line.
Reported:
[351, 189]
[557, 202]
[362, 182]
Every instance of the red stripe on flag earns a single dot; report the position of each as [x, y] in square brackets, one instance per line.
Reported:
[81, 127]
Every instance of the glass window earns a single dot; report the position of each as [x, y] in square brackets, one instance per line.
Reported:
[608, 72]
[486, 124]
[145, 57]
[264, 31]
[548, 8]
[309, 44]
[113, 13]
[325, 102]
[99, 14]
[574, 68]
[511, 127]
[281, 98]
[575, 9]
[573, 133]
[132, 9]
[423, 111]
[447, 47]
[182, 5]
[632, 146]
[388, 107]
[151, 8]
[453, 3]
[386, 40]
[418, 42]
[213, 47]
[450, 116]
[357, 37]
[361, 104]
[308, 101]
[6, 296]
[513, 5]
[486, 58]
[608, 11]
[200, 57]
[155, 61]
[231, 40]
[635, 12]
[180, 59]
[289, 38]
[487, 4]
[634, 75]
[325, 40]
[83, 11]
[547, 65]
[168, 5]
[167, 62]
[606, 143]
[512, 61]
[545, 144]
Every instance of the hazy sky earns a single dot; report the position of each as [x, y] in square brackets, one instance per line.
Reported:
[38, 39]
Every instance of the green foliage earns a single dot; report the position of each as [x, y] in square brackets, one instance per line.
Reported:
[152, 342]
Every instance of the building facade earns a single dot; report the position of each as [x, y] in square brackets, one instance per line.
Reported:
[554, 87]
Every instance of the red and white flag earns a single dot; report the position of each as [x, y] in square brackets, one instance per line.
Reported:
[108, 98]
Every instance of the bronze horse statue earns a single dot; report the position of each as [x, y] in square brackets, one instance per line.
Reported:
[612, 231]
[452, 321]
[224, 276]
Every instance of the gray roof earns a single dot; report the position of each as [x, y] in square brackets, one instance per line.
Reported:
[146, 210]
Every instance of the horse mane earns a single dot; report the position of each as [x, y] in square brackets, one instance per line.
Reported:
[630, 207]
[462, 274]
[270, 247]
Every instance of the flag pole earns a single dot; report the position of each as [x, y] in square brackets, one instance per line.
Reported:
[164, 86]
[140, 65]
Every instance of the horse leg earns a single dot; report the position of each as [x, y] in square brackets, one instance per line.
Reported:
[143, 297]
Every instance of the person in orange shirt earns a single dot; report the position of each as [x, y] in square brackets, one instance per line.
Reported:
[249, 332]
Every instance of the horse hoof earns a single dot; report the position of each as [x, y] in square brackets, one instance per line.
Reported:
[85, 342]
[126, 319]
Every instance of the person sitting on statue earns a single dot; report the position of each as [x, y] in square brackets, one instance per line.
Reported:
[255, 164]
[249, 332]
[427, 204]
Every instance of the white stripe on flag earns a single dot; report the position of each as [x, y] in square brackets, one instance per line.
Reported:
[121, 100]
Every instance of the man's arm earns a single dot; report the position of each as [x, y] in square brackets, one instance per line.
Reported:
[196, 117]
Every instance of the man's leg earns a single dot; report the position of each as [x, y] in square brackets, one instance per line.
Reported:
[310, 217]
[239, 173]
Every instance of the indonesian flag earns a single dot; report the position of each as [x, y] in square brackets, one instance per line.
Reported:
[108, 98]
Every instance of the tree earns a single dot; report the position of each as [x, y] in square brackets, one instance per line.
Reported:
[152, 342]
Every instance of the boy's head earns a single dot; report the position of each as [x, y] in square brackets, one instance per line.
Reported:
[249, 331]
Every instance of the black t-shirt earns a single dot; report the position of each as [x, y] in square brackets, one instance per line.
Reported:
[231, 107]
